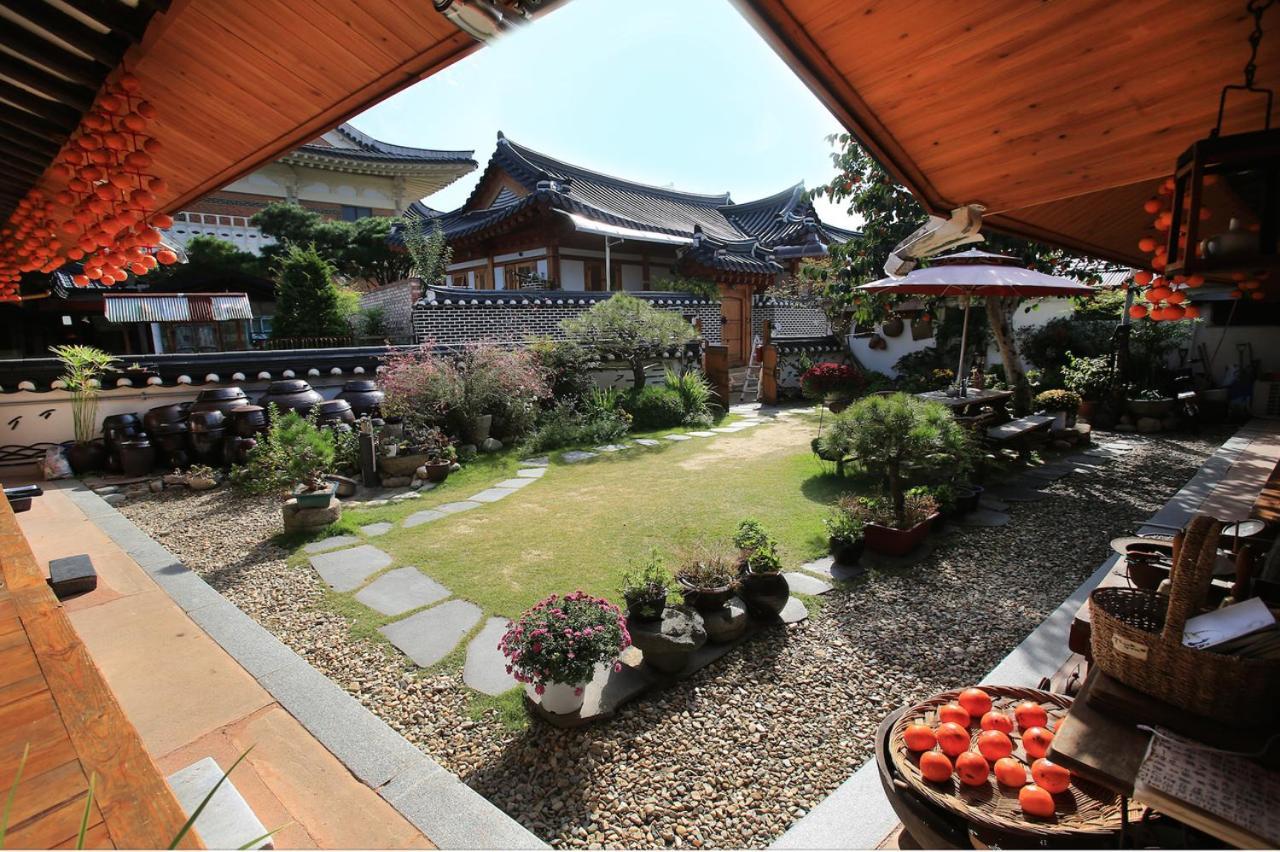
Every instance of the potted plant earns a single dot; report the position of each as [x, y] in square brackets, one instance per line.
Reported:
[440, 453]
[835, 384]
[894, 436]
[1090, 377]
[306, 456]
[1148, 402]
[763, 588]
[555, 646]
[1062, 404]
[645, 587]
[844, 532]
[82, 371]
[706, 577]
[888, 532]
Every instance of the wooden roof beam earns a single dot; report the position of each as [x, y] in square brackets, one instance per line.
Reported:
[128, 20]
[40, 52]
[74, 95]
[107, 48]
[19, 151]
[25, 121]
[52, 110]
[32, 144]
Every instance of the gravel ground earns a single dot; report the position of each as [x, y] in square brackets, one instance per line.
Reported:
[736, 753]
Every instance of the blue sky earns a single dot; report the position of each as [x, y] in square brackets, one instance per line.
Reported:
[667, 92]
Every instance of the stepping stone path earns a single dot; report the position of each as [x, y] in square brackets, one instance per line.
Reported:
[575, 456]
[677, 437]
[701, 434]
[647, 442]
[611, 448]
[827, 567]
[331, 543]
[460, 506]
[990, 503]
[513, 484]
[493, 495]
[540, 461]
[531, 472]
[806, 584]
[486, 667]
[1021, 494]
[429, 636]
[401, 590]
[380, 528]
[345, 570]
[423, 517]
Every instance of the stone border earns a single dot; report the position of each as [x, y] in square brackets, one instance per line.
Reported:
[857, 815]
[447, 811]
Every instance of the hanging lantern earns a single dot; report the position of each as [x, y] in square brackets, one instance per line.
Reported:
[1225, 210]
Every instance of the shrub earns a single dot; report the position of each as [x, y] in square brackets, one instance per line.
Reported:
[888, 434]
[657, 407]
[706, 567]
[566, 368]
[307, 300]
[695, 394]
[82, 371]
[628, 329]
[759, 549]
[293, 451]
[1059, 400]
[831, 378]
[647, 581]
[421, 387]
[506, 383]
[565, 426]
[562, 640]
[1088, 376]
[845, 523]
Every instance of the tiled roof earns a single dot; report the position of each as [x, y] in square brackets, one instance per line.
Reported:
[368, 149]
[439, 296]
[736, 237]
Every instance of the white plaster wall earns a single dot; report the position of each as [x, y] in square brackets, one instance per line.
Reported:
[573, 275]
[320, 185]
[1264, 339]
[499, 279]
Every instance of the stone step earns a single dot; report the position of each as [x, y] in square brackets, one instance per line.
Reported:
[227, 822]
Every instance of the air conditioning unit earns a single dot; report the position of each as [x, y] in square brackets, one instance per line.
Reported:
[1266, 399]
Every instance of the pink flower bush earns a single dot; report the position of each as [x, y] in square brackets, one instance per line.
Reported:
[563, 639]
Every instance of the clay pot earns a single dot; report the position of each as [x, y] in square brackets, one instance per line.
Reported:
[137, 458]
[892, 327]
[164, 414]
[291, 395]
[220, 399]
[248, 420]
[764, 594]
[336, 411]
[121, 420]
[705, 599]
[173, 441]
[846, 553]
[115, 433]
[437, 471]
[207, 420]
[86, 457]
[206, 445]
[891, 541]
[646, 609]
[363, 396]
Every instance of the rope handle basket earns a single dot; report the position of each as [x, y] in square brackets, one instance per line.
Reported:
[1137, 639]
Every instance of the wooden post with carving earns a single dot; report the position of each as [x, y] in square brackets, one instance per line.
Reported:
[768, 366]
[715, 366]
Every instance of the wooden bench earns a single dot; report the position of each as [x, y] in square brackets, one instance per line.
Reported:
[1020, 433]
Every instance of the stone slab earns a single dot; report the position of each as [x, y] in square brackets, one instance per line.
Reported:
[676, 437]
[536, 461]
[380, 528]
[401, 590]
[423, 517]
[612, 448]
[333, 542]
[983, 518]
[989, 502]
[452, 814]
[346, 570]
[486, 667]
[1020, 494]
[531, 472]
[493, 495]
[820, 566]
[806, 584]
[575, 456]
[647, 442]
[460, 506]
[429, 636]
[227, 821]
[518, 482]
[701, 434]
[724, 429]
[795, 611]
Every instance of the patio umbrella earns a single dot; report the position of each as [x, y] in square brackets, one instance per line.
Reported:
[977, 273]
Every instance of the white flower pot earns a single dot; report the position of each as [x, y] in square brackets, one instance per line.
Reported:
[562, 698]
[1059, 420]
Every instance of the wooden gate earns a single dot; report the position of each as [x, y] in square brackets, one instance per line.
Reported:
[735, 309]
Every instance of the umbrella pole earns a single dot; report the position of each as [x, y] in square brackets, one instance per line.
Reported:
[961, 379]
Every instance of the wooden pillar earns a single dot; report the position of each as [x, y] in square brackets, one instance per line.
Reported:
[715, 366]
[644, 271]
[768, 366]
[553, 264]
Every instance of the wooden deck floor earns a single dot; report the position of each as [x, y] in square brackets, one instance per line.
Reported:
[55, 705]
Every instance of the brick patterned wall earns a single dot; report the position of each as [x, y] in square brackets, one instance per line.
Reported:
[791, 319]
[793, 358]
[396, 302]
[454, 320]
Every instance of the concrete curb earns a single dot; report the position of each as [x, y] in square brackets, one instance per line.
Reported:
[447, 811]
[858, 816]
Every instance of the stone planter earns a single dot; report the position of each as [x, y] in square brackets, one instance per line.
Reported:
[315, 499]
[478, 429]
[559, 698]
[845, 553]
[726, 623]
[646, 609]
[705, 599]
[765, 594]
[668, 642]
[1153, 408]
[345, 486]
[300, 519]
[890, 541]
[401, 465]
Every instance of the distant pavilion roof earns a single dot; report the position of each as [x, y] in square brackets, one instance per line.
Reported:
[742, 238]
[425, 170]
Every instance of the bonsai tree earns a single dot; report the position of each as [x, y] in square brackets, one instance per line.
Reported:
[895, 436]
[305, 453]
[624, 328]
[82, 371]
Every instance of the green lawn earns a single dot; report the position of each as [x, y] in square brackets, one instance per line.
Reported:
[581, 525]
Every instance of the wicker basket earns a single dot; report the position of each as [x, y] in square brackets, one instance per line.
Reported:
[1083, 810]
[1137, 639]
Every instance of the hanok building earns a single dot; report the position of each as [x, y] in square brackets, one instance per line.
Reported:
[345, 175]
[540, 223]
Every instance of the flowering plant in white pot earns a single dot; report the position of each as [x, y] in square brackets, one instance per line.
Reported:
[555, 646]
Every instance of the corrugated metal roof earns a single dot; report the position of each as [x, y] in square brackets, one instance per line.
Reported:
[181, 307]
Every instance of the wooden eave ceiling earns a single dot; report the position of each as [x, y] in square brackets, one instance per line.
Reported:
[238, 84]
[1061, 117]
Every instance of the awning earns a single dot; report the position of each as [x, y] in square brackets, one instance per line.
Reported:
[177, 307]
[591, 226]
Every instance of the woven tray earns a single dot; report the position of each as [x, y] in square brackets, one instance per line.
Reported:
[1084, 809]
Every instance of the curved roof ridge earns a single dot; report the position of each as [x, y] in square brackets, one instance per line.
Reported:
[367, 142]
[792, 194]
[524, 152]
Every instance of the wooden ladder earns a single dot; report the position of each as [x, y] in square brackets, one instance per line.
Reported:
[751, 384]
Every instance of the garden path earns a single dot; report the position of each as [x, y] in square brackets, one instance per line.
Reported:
[433, 622]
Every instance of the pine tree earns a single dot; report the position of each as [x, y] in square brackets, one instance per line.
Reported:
[307, 300]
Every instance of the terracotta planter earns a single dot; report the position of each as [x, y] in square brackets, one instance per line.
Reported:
[765, 594]
[401, 465]
[438, 471]
[705, 599]
[890, 541]
[846, 553]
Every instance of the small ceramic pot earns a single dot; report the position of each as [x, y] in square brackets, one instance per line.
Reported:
[437, 471]
[765, 594]
[559, 698]
[705, 599]
[315, 499]
[846, 553]
[646, 609]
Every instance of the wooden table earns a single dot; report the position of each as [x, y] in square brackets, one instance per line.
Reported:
[976, 398]
[55, 703]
